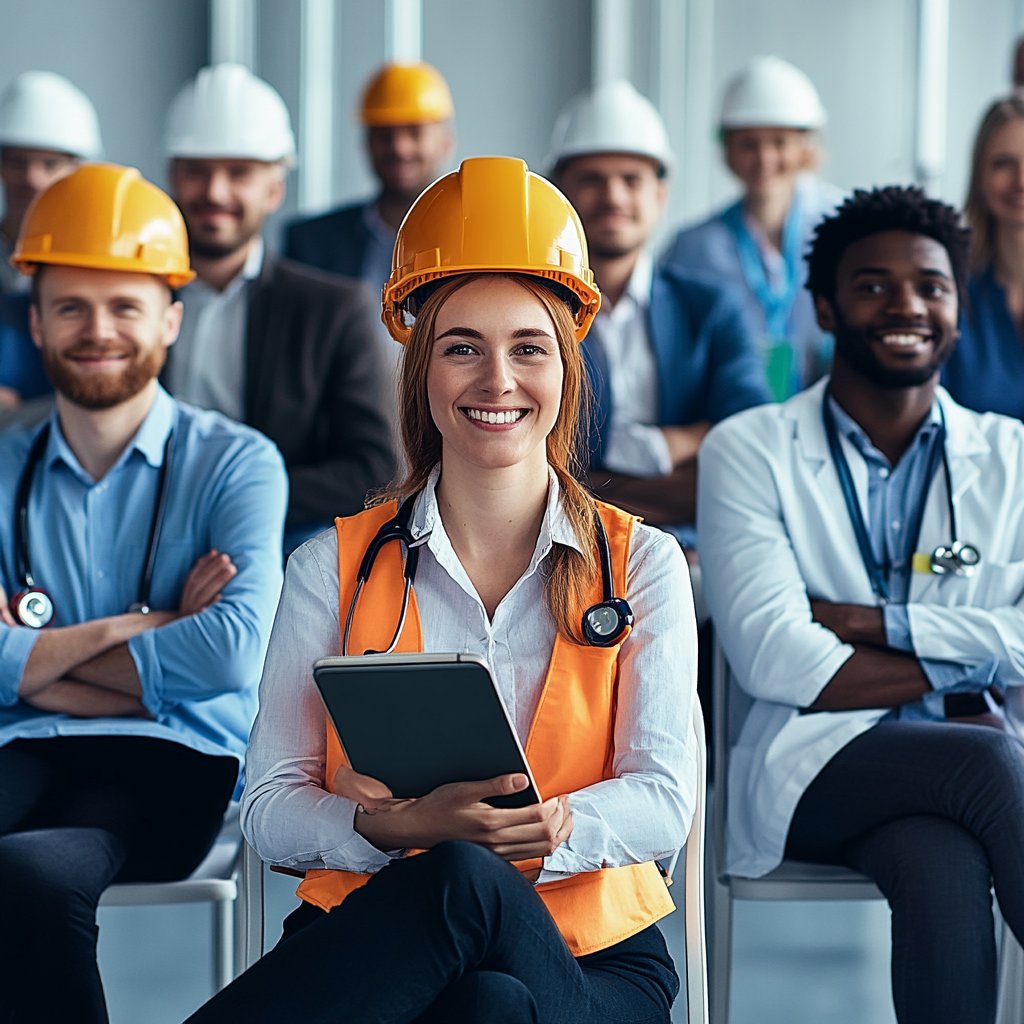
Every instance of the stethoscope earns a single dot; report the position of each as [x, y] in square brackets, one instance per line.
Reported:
[603, 623]
[33, 606]
[956, 559]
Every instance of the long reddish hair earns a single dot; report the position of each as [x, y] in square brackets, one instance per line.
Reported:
[572, 572]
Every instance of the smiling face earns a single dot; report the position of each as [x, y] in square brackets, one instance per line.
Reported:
[225, 202]
[406, 158]
[27, 172]
[1001, 174]
[894, 315]
[618, 196]
[494, 379]
[104, 334]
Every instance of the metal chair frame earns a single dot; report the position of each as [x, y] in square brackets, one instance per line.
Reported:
[214, 881]
[252, 932]
[794, 880]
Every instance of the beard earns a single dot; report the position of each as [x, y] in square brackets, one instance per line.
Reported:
[106, 390]
[853, 344]
[217, 247]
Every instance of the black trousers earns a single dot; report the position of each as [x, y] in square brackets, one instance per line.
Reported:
[933, 812]
[76, 814]
[452, 936]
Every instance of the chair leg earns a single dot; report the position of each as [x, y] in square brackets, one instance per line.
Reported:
[1010, 1005]
[223, 944]
[721, 951]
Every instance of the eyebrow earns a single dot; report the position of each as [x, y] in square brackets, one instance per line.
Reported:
[885, 271]
[470, 332]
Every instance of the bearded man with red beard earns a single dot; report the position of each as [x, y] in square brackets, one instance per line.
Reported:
[140, 566]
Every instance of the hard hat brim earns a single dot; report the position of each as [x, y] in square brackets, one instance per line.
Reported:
[394, 295]
[27, 263]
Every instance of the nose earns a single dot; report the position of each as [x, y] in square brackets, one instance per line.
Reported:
[497, 378]
[218, 188]
[907, 303]
[100, 326]
[37, 177]
[616, 192]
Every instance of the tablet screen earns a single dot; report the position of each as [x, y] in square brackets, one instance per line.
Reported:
[419, 726]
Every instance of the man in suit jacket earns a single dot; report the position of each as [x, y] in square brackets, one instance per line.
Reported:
[289, 350]
[407, 110]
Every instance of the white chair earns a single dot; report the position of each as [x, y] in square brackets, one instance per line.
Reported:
[214, 881]
[794, 880]
[252, 879]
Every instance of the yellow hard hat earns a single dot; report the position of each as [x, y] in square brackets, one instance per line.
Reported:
[406, 94]
[492, 215]
[106, 217]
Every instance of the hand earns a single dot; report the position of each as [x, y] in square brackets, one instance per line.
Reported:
[684, 442]
[205, 581]
[852, 623]
[457, 811]
[9, 398]
[6, 615]
[65, 696]
[367, 792]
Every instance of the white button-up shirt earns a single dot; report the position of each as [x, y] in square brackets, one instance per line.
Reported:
[207, 367]
[634, 445]
[642, 814]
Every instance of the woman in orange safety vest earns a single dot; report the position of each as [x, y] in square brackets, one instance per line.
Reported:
[543, 913]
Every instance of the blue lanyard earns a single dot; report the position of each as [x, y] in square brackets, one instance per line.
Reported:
[776, 304]
[877, 574]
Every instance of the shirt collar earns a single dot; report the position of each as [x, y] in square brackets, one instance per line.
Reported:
[637, 296]
[253, 262]
[555, 528]
[149, 440]
[250, 271]
[856, 434]
[373, 221]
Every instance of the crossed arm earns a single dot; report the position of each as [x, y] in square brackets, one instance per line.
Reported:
[86, 669]
[661, 500]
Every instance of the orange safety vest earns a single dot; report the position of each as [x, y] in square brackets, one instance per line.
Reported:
[570, 745]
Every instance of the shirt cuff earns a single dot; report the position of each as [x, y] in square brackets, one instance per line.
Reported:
[636, 449]
[142, 648]
[897, 627]
[16, 643]
[953, 677]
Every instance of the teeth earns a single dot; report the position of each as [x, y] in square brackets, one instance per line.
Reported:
[902, 340]
[512, 416]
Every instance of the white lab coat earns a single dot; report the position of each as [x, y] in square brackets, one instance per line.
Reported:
[774, 532]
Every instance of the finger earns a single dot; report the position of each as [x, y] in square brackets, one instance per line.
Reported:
[477, 792]
[7, 616]
[493, 819]
[212, 569]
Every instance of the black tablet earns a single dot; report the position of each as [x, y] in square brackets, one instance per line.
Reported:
[419, 721]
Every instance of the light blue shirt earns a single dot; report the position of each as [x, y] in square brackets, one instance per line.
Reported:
[226, 489]
[896, 498]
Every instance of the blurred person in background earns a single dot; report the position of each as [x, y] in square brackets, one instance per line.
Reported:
[771, 115]
[670, 353]
[47, 128]
[285, 348]
[146, 534]
[986, 370]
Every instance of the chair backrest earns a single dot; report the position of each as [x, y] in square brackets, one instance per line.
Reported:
[730, 707]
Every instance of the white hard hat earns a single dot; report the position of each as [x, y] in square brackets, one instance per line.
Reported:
[771, 93]
[226, 111]
[41, 110]
[611, 118]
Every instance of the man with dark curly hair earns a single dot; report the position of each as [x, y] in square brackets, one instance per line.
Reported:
[863, 556]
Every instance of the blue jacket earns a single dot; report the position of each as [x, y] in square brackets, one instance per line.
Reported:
[709, 366]
[336, 241]
[21, 364]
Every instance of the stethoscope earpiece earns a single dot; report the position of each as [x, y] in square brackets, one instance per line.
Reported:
[32, 608]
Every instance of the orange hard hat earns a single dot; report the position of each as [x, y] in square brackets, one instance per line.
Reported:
[406, 94]
[105, 217]
[492, 215]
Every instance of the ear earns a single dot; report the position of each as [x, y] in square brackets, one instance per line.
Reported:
[172, 323]
[276, 193]
[826, 313]
[33, 325]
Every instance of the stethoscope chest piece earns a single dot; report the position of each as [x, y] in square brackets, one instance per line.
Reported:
[33, 608]
[959, 559]
[604, 623]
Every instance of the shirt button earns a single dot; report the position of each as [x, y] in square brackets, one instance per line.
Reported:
[99, 574]
[884, 473]
[896, 524]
